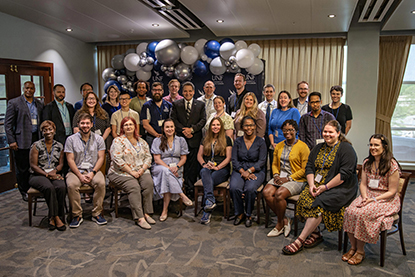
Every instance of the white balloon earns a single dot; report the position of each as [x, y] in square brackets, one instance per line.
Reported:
[147, 67]
[227, 50]
[209, 60]
[240, 44]
[199, 44]
[257, 67]
[131, 62]
[189, 55]
[244, 58]
[255, 48]
[217, 66]
[142, 47]
[143, 75]
[203, 57]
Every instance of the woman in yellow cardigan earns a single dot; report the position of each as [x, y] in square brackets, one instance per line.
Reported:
[290, 159]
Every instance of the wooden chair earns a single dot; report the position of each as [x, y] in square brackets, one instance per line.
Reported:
[397, 221]
[290, 200]
[219, 190]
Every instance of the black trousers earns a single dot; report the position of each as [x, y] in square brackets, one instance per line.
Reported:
[191, 172]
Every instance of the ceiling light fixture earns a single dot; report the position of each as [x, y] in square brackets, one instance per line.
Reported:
[413, 12]
[69, 29]
[332, 15]
[155, 25]
[220, 20]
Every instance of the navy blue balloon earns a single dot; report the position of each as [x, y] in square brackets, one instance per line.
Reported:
[211, 49]
[200, 68]
[151, 49]
[156, 65]
[117, 73]
[226, 40]
[110, 83]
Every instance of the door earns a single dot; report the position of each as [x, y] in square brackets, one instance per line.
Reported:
[13, 74]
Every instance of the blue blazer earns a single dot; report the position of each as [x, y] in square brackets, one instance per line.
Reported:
[18, 122]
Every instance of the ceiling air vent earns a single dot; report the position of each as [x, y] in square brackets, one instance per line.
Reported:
[375, 10]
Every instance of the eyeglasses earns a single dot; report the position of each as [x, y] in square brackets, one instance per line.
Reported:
[288, 131]
[157, 90]
[124, 99]
[250, 125]
[91, 98]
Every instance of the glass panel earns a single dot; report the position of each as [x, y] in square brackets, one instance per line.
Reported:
[2, 86]
[4, 161]
[38, 81]
[3, 107]
[24, 79]
[410, 68]
[3, 140]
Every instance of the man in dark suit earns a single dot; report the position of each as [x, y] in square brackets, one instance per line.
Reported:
[301, 102]
[189, 116]
[61, 113]
[22, 126]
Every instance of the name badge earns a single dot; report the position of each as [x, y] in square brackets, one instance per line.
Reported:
[233, 114]
[373, 183]
[318, 141]
[85, 165]
[34, 121]
[276, 133]
[283, 174]
[172, 165]
[161, 122]
[240, 133]
[67, 124]
[98, 132]
[49, 170]
[318, 178]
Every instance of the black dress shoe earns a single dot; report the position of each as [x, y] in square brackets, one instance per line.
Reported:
[238, 220]
[248, 222]
[62, 228]
[51, 227]
[24, 197]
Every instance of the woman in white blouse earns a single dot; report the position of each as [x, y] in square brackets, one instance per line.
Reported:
[130, 161]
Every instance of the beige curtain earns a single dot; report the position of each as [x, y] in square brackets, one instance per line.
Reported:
[318, 61]
[104, 56]
[393, 55]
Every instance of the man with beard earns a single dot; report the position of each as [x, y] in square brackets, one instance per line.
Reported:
[174, 86]
[85, 152]
[141, 88]
[61, 113]
[301, 102]
[235, 100]
[154, 112]
[21, 124]
[119, 115]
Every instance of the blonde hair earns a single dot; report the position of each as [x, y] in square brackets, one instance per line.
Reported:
[242, 112]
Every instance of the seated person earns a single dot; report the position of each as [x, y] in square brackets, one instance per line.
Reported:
[215, 153]
[248, 160]
[130, 161]
[372, 211]
[331, 186]
[169, 153]
[290, 159]
[219, 105]
[46, 160]
[85, 152]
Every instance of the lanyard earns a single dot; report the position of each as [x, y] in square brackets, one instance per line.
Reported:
[139, 147]
[377, 168]
[213, 150]
[47, 153]
[288, 149]
[220, 114]
[63, 111]
[325, 157]
[94, 119]
[304, 105]
[160, 109]
[332, 111]
[321, 125]
[87, 145]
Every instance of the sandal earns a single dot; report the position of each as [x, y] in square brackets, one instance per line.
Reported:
[294, 247]
[348, 255]
[357, 258]
[313, 240]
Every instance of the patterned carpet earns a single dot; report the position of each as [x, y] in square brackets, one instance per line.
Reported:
[178, 247]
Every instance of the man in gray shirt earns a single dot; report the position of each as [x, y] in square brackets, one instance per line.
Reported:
[85, 152]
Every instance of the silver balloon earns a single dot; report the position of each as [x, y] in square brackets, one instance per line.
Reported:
[150, 60]
[147, 67]
[112, 76]
[170, 68]
[163, 68]
[106, 73]
[143, 55]
[182, 45]
[142, 62]
[117, 62]
[232, 59]
[234, 68]
[129, 84]
[227, 63]
[122, 79]
[182, 72]
[167, 52]
[169, 74]
[124, 87]
[131, 90]
[130, 73]
[131, 50]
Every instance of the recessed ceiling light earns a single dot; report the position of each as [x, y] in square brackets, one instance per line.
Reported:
[332, 15]
[69, 29]
[155, 25]
[220, 20]
[413, 12]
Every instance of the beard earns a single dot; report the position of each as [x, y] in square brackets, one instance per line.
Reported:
[157, 97]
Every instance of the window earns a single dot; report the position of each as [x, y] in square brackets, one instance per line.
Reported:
[403, 119]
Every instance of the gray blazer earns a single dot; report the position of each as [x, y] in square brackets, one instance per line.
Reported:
[18, 123]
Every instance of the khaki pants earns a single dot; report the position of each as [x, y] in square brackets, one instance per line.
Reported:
[98, 184]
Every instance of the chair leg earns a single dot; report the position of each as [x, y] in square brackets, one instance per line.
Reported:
[339, 246]
[116, 202]
[29, 202]
[228, 208]
[401, 236]
[258, 208]
[295, 219]
[225, 203]
[112, 197]
[196, 199]
[345, 242]
[34, 209]
[383, 236]
[180, 207]
[266, 215]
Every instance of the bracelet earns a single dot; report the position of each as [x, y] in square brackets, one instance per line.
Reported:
[326, 187]
[374, 198]
[203, 164]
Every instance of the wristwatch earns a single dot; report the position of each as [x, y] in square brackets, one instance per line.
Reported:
[93, 171]
[289, 178]
[249, 170]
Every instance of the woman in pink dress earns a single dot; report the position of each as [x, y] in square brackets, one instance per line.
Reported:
[371, 212]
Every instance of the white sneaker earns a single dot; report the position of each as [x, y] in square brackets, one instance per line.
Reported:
[275, 233]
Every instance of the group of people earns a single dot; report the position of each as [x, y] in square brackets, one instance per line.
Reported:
[159, 147]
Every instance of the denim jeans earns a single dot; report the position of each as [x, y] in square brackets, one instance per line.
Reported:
[210, 179]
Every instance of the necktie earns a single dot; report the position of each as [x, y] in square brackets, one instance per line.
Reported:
[188, 110]
[268, 114]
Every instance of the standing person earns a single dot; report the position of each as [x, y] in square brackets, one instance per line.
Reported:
[372, 211]
[130, 161]
[46, 160]
[85, 88]
[235, 100]
[125, 111]
[112, 104]
[85, 152]
[219, 104]
[311, 124]
[331, 187]
[61, 113]
[189, 117]
[215, 153]
[174, 87]
[302, 102]
[170, 154]
[342, 112]
[250, 107]
[21, 124]
[208, 98]
[154, 112]
[248, 160]
[141, 88]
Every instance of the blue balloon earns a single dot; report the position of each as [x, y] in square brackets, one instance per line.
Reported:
[110, 83]
[200, 68]
[226, 40]
[211, 49]
[156, 65]
[151, 48]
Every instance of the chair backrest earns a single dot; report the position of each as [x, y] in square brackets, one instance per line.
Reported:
[359, 169]
[403, 184]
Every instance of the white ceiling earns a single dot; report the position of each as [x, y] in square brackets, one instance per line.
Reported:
[130, 20]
